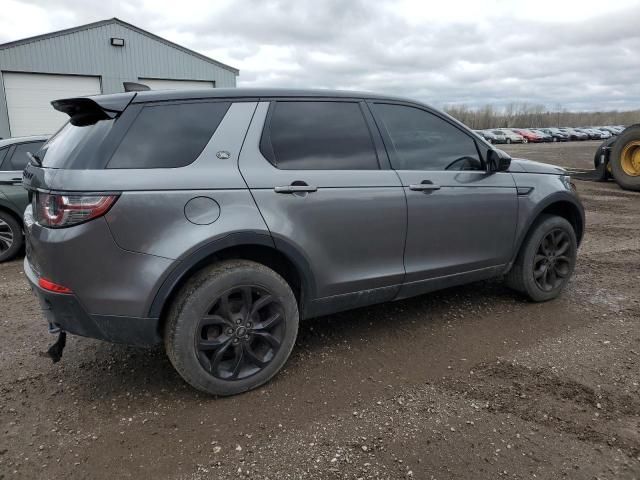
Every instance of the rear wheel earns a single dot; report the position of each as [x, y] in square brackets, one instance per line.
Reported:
[231, 327]
[546, 259]
[524, 140]
[625, 159]
[11, 238]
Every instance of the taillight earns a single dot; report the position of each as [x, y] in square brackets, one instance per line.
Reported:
[53, 287]
[57, 210]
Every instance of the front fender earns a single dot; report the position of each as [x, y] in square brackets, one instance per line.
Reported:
[530, 208]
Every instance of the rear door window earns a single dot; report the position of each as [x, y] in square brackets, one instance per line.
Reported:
[168, 136]
[19, 159]
[308, 135]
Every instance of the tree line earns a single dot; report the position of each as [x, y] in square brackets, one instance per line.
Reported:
[526, 115]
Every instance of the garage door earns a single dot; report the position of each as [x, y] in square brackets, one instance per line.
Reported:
[29, 97]
[155, 84]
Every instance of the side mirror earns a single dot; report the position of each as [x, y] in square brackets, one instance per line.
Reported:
[497, 161]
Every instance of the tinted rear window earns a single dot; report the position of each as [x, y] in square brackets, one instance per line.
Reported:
[74, 147]
[168, 136]
[306, 135]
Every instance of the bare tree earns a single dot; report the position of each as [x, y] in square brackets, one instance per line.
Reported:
[525, 115]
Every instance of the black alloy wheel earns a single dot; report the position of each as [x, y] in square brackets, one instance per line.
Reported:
[240, 333]
[551, 263]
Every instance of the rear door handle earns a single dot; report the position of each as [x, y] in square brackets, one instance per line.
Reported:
[425, 186]
[296, 189]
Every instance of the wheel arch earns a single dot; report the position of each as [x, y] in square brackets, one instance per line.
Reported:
[11, 212]
[8, 207]
[561, 204]
[280, 256]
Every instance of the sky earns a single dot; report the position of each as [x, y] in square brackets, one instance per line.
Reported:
[573, 54]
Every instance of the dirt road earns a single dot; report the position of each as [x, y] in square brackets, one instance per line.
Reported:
[471, 382]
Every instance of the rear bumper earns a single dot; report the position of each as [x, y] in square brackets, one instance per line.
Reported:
[67, 312]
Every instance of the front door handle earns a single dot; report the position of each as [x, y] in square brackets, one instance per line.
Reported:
[425, 186]
[296, 189]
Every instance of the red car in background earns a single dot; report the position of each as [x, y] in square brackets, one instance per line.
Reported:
[528, 135]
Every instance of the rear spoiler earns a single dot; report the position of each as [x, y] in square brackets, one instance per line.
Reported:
[101, 107]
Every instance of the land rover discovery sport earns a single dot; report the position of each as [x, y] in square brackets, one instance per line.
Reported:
[214, 221]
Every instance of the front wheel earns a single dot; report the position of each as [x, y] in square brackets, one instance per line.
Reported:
[232, 327]
[508, 140]
[546, 259]
[524, 140]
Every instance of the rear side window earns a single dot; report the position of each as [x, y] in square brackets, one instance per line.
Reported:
[19, 159]
[168, 136]
[3, 153]
[423, 141]
[307, 135]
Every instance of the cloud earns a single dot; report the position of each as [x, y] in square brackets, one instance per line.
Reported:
[578, 54]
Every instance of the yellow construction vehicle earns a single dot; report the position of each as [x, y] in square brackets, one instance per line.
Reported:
[619, 158]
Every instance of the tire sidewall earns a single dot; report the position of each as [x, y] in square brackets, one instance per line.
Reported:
[627, 182]
[18, 238]
[531, 247]
[193, 307]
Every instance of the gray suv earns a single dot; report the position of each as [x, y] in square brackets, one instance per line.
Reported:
[214, 221]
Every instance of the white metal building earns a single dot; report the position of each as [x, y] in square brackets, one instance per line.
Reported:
[91, 59]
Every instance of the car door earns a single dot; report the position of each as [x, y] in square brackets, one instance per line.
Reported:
[13, 159]
[320, 177]
[461, 218]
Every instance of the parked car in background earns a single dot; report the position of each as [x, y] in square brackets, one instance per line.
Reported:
[546, 137]
[488, 136]
[512, 137]
[556, 134]
[527, 135]
[263, 211]
[501, 137]
[606, 134]
[574, 134]
[14, 198]
[607, 129]
[591, 132]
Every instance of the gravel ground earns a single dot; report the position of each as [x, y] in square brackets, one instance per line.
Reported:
[471, 382]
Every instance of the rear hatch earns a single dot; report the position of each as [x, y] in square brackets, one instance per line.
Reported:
[81, 144]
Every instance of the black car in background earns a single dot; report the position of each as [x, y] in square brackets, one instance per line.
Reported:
[557, 135]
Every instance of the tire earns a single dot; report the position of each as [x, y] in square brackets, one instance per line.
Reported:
[629, 138]
[236, 355]
[525, 276]
[11, 237]
[524, 140]
[508, 140]
[555, 139]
